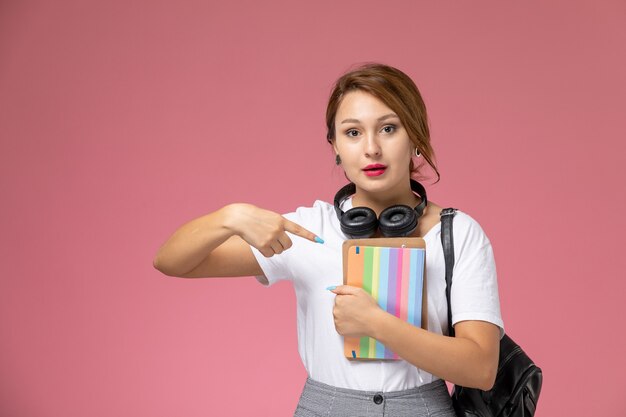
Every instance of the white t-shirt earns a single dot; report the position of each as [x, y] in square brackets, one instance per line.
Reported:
[312, 267]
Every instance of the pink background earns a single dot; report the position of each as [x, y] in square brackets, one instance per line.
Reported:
[120, 121]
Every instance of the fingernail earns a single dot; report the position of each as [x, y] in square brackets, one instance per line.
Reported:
[332, 287]
[319, 240]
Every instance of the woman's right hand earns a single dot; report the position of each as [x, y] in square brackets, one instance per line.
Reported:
[265, 229]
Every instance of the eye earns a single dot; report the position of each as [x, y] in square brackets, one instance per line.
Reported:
[389, 128]
[352, 133]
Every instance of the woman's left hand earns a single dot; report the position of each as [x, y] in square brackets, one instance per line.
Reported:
[355, 311]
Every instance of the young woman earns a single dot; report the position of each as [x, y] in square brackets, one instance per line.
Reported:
[378, 128]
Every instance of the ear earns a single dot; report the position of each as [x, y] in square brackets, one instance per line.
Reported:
[335, 146]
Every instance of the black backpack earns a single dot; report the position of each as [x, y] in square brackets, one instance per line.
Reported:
[518, 381]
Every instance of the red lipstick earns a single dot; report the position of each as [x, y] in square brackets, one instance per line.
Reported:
[374, 170]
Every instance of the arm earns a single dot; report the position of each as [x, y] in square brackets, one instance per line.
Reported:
[218, 244]
[470, 359]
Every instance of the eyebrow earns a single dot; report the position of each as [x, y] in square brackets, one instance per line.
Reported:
[380, 119]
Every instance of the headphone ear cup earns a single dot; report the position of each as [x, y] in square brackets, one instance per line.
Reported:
[398, 221]
[359, 223]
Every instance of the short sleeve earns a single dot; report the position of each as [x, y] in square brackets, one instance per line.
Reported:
[285, 265]
[276, 267]
[474, 293]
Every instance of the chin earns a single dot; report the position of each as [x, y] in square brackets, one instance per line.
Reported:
[373, 184]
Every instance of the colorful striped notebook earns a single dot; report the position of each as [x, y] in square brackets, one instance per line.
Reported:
[394, 276]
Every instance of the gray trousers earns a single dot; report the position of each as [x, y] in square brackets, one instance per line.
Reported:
[319, 399]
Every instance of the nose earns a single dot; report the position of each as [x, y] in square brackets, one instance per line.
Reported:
[371, 145]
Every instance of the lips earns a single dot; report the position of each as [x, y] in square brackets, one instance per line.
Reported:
[374, 170]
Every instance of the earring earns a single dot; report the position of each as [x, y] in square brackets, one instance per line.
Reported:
[417, 154]
[337, 160]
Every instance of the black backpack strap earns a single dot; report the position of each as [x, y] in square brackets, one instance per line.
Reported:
[447, 215]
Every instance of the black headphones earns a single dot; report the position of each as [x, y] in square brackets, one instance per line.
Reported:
[394, 221]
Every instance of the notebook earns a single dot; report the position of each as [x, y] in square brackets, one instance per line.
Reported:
[392, 270]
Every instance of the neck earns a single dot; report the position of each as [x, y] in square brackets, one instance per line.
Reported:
[380, 201]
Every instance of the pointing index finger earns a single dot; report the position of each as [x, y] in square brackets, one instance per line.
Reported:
[298, 230]
[344, 289]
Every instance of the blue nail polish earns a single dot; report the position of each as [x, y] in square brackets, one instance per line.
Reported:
[319, 240]
[332, 287]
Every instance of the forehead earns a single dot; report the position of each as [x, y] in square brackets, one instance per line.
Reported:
[361, 105]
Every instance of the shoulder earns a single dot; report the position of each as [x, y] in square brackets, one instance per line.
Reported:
[464, 227]
[319, 212]
[467, 222]
[468, 231]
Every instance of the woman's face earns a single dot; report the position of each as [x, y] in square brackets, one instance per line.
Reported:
[374, 147]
